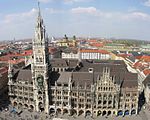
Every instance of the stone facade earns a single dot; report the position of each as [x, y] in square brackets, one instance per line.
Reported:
[100, 95]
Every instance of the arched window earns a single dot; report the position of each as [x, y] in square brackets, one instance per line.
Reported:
[37, 60]
[40, 59]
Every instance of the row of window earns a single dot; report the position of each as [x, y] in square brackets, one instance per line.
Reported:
[105, 88]
[127, 105]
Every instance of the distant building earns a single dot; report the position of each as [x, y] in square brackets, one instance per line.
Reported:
[70, 53]
[67, 42]
[86, 54]
[54, 52]
[95, 54]
[145, 47]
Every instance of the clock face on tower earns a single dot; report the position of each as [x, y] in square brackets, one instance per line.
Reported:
[40, 80]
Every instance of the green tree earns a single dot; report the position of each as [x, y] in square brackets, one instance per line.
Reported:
[74, 37]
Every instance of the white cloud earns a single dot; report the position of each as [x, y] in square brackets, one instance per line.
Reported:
[91, 11]
[75, 1]
[53, 11]
[147, 3]
[137, 16]
[130, 15]
[88, 10]
[26, 16]
[65, 1]
[44, 1]
[19, 16]
[18, 24]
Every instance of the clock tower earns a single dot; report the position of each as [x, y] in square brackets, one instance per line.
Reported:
[40, 66]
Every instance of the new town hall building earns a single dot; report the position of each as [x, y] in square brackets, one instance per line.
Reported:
[73, 87]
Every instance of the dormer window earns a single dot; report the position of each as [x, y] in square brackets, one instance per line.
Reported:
[90, 70]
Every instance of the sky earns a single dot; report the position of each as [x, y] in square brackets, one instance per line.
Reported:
[83, 18]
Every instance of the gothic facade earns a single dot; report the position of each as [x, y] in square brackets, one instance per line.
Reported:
[73, 87]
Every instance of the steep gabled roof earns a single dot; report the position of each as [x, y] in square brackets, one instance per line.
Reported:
[24, 75]
[147, 80]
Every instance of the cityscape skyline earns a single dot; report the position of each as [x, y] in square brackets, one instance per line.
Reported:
[83, 18]
[71, 78]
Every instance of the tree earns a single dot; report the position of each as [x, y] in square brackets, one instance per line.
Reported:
[66, 37]
[74, 37]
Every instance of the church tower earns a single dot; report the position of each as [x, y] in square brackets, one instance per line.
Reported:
[40, 66]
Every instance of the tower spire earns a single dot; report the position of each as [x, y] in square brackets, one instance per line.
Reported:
[40, 65]
[39, 10]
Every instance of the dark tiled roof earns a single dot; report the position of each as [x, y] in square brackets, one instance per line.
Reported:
[24, 75]
[81, 76]
[72, 63]
[114, 66]
[64, 63]
[147, 80]
[84, 77]
[58, 63]
[130, 80]
[70, 50]
[64, 77]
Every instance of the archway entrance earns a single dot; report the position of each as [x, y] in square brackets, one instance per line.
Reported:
[52, 111]
[133, 112]
[114, 112]
[120, 113]
[99, 113]
[126, 112]
[104, 113]
[109, 113]
[41, 106]
[58, 111]
[31, 108]
[65, 111]
[73, 112]
[81, 112]
[88, 113]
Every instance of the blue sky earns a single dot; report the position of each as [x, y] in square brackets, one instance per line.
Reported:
[84, 18]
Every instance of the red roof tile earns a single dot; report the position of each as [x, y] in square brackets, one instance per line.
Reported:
[28, 52]
[3, 70]
[138, 57]
[137, 64]
[145, 58]
[16, 61]
[92, 40]
[97, 44]
[146, 72]
[94, 51]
